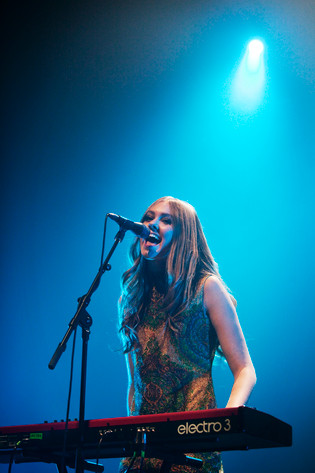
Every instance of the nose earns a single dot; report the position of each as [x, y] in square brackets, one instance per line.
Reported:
[154, 225]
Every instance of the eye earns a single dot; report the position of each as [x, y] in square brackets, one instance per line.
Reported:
[147, 218]
[167, 220]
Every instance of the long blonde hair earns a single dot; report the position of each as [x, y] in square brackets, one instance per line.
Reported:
[188, 261]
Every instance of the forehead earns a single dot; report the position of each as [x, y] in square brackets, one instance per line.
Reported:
[160, 208]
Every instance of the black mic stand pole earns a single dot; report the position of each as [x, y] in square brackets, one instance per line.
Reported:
[83, 319]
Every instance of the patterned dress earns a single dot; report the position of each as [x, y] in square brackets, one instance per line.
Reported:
[172, 371]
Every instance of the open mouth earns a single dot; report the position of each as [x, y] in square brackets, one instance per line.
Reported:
[153, 238]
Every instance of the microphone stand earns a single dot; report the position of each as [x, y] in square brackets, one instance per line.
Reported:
[83, 319]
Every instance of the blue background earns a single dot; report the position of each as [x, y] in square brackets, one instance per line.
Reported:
[107, 106]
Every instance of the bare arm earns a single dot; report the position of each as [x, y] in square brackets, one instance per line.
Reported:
[130, 373]
[131, 387]
[225, 321]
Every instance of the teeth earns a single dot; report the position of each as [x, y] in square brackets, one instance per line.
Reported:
[154, 238]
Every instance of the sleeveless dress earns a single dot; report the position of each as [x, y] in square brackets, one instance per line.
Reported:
[172, 372]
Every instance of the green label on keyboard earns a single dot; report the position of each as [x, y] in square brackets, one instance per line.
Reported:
[36, 436]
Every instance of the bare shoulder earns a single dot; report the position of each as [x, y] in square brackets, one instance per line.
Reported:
[214, 289]
[217, 300]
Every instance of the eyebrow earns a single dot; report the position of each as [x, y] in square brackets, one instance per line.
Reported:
[162, 214]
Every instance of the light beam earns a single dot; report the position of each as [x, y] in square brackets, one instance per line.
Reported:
[248, 83]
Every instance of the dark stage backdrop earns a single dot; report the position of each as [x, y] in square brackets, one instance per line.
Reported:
[108, 105]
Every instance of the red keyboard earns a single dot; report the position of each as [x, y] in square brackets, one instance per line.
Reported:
[238, 428]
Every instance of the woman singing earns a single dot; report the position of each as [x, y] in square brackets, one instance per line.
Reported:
[175, 313]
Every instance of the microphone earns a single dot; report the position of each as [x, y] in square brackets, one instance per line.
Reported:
[139, 229]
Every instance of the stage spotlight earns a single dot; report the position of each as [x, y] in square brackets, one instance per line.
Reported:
[254, 53]
[248, 83]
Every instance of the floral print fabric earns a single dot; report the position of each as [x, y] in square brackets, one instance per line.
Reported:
[172, 370]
